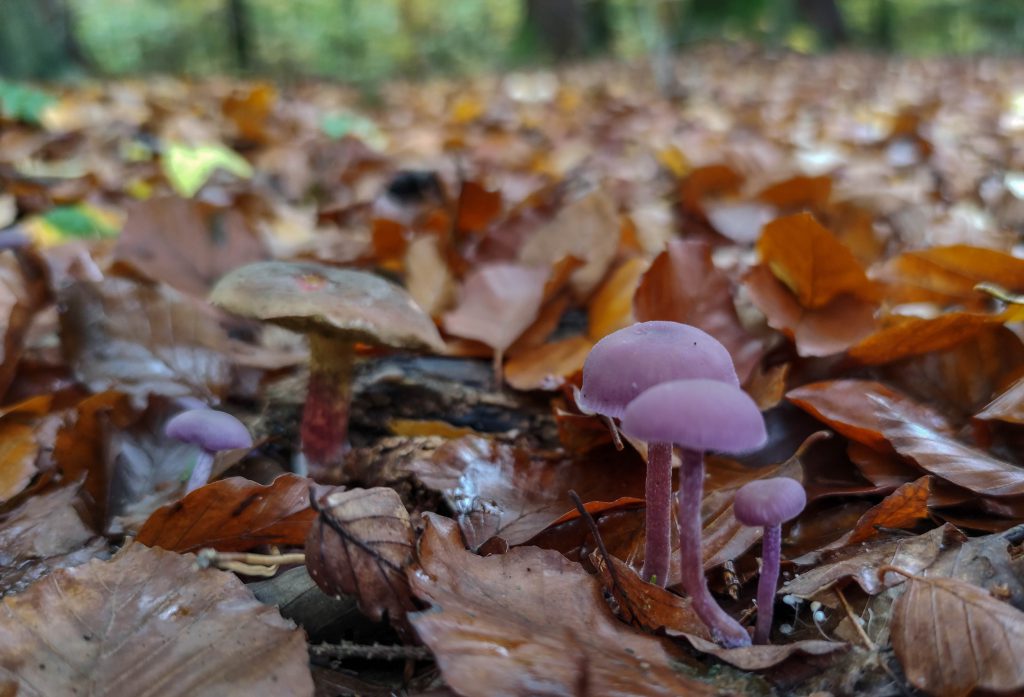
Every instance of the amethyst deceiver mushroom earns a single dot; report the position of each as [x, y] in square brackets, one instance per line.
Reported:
[768, 503]
[334, 308]
[620, 367]
[698, 415]
[210, 430]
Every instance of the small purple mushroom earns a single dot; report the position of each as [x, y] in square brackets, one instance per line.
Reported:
[698, 415]
[768, 503]
[620, 367]
[212, 431]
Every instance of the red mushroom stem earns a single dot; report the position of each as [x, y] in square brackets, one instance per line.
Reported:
[324, 428]
[724, 629]
[658, 492]
[771, 546]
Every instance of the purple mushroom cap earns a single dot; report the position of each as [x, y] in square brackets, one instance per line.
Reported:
[769, 501]
[696, 414]
[627, 362]
[210, 429]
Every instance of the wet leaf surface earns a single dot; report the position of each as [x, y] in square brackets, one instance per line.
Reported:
[147, 623]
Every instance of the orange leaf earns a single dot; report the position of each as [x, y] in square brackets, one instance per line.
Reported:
[903, 508]
[949, 274]
[913, 336]
[798, 192]
[812, 262]
[478, 207]
[821, 332]
[18, 450]
[1008, 406]
[545, 367]
[708, 182]
[611, 308]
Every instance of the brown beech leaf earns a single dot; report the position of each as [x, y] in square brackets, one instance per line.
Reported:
[42, 534]
[913, 336]
[233, 515]
[765, 656]
[798, 192]
[948, 459]
[185, 243]
[1008, 406]
[530, 622]
[710, 181]
[21, 296]
[903, 508]
[18, 451]
[850, 407]
[619, 522]
[953, 638]
[143, 339]
[947, 275]
[546, 367]
[811, 262]
[647, 605]
[499, 301]
[147, 623]
[860, 562]
[611, 308]
[360, 545]
[683, 285]
[477, 206]
[586, 228]
[499, 490]
[821, 332]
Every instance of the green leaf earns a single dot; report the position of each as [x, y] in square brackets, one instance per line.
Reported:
[21, 103]
[188, 168]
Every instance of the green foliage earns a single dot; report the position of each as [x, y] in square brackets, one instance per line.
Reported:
[21, 103]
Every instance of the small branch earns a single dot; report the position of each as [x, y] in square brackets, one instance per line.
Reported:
[870, 645]
[383, 652]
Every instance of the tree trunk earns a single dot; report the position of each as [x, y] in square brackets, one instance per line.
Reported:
[37, 40]
[239, 31]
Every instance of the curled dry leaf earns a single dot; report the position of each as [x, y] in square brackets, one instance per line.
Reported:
[143, 339]
[799, 192]
[913, 336]
[816, 332]
[360, 545]
[233, 515]
[546, 367]
[947, 275]
[498, 489]
[683, 285]
[765, 656]
[147, 623]
[185, 243]
[903, 508]
[811, 262]
[1008, 406]
[850, 407]
[953, 638]
[530, 622]
[860, 563]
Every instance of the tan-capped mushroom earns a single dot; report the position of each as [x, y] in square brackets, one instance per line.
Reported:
[334, 308]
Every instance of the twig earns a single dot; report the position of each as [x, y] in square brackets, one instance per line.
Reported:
[871, 646]
[383, 652]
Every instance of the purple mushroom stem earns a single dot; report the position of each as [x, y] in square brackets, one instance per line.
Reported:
[200, 471]
[771, 546]
[658, 492]
[724, 629]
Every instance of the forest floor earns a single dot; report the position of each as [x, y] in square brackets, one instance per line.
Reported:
[847, 226]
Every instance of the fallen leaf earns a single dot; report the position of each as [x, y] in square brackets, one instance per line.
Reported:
[427, 277]
[913, 336]
[860, 563]
[361, 544]
[249, 110]
[499, 490]
[831, 329]
[477, 206]
[683, 285]
[939, 454]
[185, 243]
[147, 623]
[546, 367]
[799, 192]
[611, 308]
[1008, 406]
[18, 451]
[851, 408]
[21, 296]
[903, 508]
[765, 656]
[709, 181]
[953, 638]
[811, 262]
[948, 275]
[530, 622]
[143, 339]
[189, 167]
[233, 515]
[498, 302]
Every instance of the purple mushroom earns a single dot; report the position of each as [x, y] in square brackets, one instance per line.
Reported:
[620, 367]
[698, 415]
[212, 431]
[768, 503]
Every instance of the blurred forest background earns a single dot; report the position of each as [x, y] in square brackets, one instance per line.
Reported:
[367, 41]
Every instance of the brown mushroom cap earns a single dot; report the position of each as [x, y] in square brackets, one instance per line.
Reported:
[307, 297]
